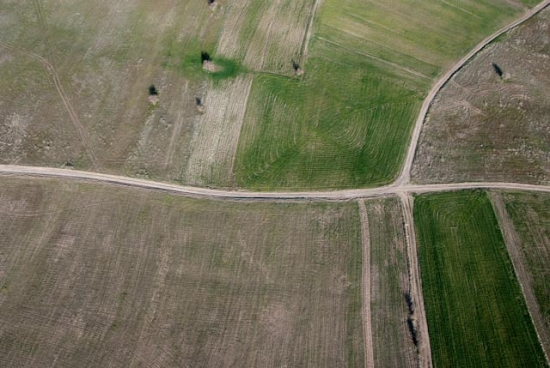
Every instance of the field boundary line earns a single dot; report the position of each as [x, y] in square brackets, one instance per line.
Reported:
[309, 31]
[366, 289]
[404, 177]
[513, 246]
[415, 285]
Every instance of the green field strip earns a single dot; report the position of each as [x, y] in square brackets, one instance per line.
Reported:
[476, 313]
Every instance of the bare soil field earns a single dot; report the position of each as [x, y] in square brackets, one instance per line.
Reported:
[530, 222]
[95, 275]
[484, 126]
[393, 341]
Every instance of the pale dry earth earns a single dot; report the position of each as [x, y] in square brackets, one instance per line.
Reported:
[391, 306]
[96, 275]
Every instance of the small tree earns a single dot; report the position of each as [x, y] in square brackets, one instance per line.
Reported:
[295, 65]
[205, 57]
[497, 69]
[153, 90]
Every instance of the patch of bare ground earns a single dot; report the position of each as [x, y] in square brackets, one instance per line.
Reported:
[99, 275]
[525, 224]
[105, 55]
[491, 122]
[216, 135]
[394, 343]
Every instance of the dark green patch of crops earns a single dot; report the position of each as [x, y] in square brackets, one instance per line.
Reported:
[475, 309]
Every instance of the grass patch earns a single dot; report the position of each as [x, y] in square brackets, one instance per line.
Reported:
[475, 310]
[320, 133]
[227, 69]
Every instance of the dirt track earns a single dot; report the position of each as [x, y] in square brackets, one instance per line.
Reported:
[337, 195]
[366, 297]
[406, 170]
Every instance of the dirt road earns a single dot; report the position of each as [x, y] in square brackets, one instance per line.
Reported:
[338, 195]
[366, 297]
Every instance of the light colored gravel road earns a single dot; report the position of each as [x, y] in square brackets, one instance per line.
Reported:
[347, 194]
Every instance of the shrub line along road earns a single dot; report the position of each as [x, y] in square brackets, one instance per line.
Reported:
[401, 185]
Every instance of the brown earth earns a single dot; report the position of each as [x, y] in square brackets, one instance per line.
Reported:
[106, 276]
[482, 127]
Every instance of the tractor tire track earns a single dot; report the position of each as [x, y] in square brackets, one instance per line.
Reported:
[366, 289]
[80, 129]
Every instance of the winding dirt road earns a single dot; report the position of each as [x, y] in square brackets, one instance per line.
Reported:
[406, 170]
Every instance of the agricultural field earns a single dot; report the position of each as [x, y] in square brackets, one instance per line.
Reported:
[252, 119]
[475, 309]
[530, 220]
[347, 121]
[489, 127]
[99, 275]
[389, 286]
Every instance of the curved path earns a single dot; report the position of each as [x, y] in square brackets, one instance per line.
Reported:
[406, 170]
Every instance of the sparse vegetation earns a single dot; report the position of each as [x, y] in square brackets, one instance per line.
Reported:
[475, 310]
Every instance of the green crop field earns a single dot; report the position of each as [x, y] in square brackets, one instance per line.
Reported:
[96, 275]
[347, 121]
[476, 313]
[530, 214]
